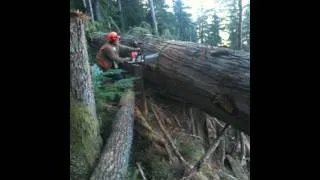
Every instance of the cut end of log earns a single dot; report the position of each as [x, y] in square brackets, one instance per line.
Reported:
[77, 13]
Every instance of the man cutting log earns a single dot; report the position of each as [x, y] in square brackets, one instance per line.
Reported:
[108, 55]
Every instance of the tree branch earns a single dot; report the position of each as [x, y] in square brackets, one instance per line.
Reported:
[141, 171]
[204, 159]
[167, 136]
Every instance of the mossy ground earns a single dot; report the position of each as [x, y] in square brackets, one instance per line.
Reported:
[85, 141]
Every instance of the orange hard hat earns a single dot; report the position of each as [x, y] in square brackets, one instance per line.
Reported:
[112, 36]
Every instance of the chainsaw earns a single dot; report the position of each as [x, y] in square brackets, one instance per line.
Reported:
[138, 57]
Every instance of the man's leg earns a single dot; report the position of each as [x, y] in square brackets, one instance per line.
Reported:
[117, 76]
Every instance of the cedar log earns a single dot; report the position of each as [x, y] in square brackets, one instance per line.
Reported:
[213, 79]
[114, 158]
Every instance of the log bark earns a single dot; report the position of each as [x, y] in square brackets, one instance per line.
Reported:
[85, 140]
[114, 160]
[213, 79]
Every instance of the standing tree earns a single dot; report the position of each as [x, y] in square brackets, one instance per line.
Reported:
[240, 24]
[85, 140]
[122, 22]
[214, 38]
[233, 26]
[97, 10]
[246, 28]
[134, 13]
[202, 26]
[154, 20]
[183, 20]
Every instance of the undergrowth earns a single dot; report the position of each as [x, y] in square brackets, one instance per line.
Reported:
[190, 148]
[107, 95]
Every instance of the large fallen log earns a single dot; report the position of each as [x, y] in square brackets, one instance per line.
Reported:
[114, 158]
[214, 79]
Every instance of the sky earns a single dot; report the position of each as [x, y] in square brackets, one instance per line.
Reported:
[196, 5]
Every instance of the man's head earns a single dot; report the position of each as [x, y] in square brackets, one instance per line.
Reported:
[112, 37]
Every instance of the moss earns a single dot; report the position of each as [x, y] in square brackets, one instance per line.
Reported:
[85, 141]
[201, 176]
[190, 148]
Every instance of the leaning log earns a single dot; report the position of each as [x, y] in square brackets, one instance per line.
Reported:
[213, 79]
[114, 158]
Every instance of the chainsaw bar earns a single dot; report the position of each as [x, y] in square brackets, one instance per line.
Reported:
[142, 58]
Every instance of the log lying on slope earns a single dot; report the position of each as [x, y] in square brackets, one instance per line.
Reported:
[114, 159]
[216, 80]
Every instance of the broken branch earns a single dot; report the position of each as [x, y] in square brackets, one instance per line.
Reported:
[204, 159]
[141, 171]
[167, 136]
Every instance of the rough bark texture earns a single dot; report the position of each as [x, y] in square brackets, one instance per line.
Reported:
[85, 141]
[114, 160]
[80, 78]
[213, 79]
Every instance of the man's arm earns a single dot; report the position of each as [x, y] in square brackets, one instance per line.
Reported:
[112, 55]
[123, 49]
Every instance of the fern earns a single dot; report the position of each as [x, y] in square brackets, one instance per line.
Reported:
[112, 72]
[112, 91]
[93, 26]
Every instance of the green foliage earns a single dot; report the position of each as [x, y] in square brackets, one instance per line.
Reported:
[214, 38]
[183, 20]
[202, 27]
[93, 26]
[166, 21]
[109, 9]
[146, 25]
[233, 24]
[107, 94]
[77, 4]
[134, 13]
[161, 169]
[109, 91]
[190, 148]
[138, 31]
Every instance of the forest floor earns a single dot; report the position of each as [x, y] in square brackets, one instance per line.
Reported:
[167, 131]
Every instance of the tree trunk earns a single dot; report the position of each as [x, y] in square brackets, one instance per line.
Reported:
[91, 9]
[121, 16]
[154, 20]
[84, 3]
[85, 140]
[115, 156]
[240, 25]
[215, 80]
[97, 10]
